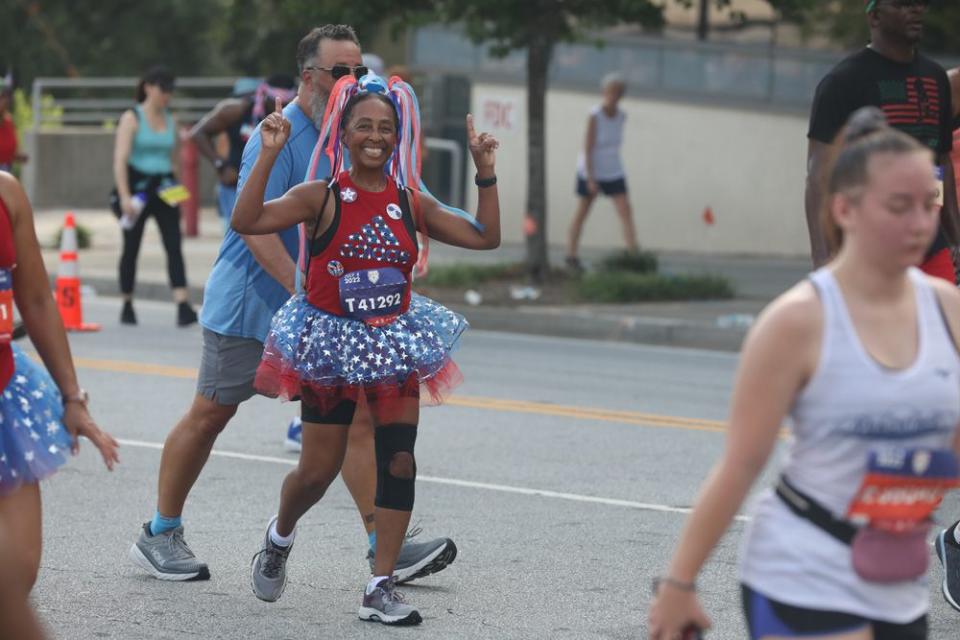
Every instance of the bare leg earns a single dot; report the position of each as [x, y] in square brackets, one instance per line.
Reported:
[186, 450]
[16, 618]
[21, 518]
[322, 455]
[180, 294]
[576, 225]
[359, 471]
[622, 204]
[392, 524]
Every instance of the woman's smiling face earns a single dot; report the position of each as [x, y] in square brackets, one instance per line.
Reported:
[371, 133]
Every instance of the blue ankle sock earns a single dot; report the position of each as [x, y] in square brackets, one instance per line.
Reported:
[372, 539]
[159, 524]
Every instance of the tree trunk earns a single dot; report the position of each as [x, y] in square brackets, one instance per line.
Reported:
[539, 52]
[703, 20]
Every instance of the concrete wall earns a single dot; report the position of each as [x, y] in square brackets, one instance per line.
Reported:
[74, 168]
[748, 166]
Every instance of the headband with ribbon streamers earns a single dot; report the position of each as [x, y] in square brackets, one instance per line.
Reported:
[404, 165]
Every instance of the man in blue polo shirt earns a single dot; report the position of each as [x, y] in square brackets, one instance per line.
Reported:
[252, 277]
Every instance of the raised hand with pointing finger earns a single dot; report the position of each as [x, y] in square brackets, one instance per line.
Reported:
[275, 129]
[482, 147]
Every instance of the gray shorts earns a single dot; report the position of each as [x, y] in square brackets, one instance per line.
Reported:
[227, 367]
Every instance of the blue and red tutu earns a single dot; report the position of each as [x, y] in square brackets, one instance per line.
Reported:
[325, 359]
[33, 441]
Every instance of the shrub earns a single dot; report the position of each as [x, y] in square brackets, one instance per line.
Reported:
[469, 275]
[626, 286]
[84, 237]
[639, 262]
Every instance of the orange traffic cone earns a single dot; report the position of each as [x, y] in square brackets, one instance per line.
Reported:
[68, 280]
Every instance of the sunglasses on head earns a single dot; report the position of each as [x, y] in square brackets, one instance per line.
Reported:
[340, 70]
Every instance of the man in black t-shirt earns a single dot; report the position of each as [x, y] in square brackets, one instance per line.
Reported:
[914, 93]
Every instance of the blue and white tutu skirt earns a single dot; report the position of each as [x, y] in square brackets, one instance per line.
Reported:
[33, 441]
[326, 359]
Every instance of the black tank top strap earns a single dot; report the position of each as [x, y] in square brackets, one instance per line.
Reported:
[319, 244]
[406, 208]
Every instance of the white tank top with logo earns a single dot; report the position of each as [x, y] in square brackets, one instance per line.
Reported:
[607, 165]
[851, 406]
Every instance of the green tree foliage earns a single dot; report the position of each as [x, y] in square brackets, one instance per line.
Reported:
[845, 23]
[536, 26]
[260, 37]
[106, 37]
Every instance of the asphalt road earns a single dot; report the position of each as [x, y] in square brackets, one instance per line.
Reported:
[562, 469]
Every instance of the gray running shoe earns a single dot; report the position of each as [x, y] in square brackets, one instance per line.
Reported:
[385, 605]
[420, 559]
[269, 568]
[949, 553]
[166, 556]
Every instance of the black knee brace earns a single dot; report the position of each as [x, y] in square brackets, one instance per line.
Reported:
[396, 466]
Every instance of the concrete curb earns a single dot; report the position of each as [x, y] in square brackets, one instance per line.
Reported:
[552, 321]
[670, 332]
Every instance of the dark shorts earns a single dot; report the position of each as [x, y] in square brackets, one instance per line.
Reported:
[607, 187]
[766, 617]
[342, 414]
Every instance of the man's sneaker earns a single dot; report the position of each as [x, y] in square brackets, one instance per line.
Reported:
[294, 440]
[419, 559]
[949, 553]
[166, 556]
[269, 568]
[385, 605]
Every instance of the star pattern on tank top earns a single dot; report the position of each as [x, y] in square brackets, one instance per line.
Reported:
[375, 241]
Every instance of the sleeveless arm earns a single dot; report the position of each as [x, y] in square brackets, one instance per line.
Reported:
[122, 148]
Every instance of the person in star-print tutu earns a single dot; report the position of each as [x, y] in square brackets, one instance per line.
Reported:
[42, 415]
[358, 331]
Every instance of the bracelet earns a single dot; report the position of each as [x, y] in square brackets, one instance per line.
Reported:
[484, 182]
[81, 398]
[672, 582]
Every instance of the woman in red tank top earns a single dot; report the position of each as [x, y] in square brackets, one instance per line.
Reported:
[358, 330]
[41, 417]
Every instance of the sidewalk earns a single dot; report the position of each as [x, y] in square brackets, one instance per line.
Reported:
[710, 324]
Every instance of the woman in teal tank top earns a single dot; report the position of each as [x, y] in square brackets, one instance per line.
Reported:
[144, 164]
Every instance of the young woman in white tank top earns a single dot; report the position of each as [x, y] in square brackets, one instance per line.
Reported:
[863, 359]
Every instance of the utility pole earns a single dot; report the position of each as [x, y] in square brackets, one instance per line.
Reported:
[703, 21]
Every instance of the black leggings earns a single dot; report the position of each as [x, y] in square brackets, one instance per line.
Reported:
[769, 618]
[168, 220]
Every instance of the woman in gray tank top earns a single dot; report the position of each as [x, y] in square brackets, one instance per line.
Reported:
[862, 359]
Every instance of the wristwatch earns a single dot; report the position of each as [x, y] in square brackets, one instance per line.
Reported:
[82, 397]
[484, 182]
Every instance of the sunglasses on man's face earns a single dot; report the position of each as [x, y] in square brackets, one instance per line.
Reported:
[340, 70]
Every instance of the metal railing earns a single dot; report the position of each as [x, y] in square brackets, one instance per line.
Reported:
[456, 174]
[751, 74]
[100, 101]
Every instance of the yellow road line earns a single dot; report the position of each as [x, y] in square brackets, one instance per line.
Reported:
[473, 402]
